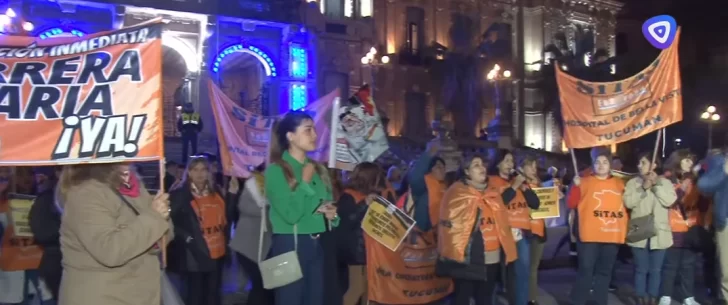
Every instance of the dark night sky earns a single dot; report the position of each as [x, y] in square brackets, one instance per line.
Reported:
[703, 59]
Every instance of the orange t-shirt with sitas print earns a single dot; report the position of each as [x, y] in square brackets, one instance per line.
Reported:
[519, 215]
[210, 210]
[602, 215]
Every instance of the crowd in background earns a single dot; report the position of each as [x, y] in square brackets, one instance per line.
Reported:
[98, 232]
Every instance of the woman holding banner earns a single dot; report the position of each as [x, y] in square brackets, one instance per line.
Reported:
[300, 196]
[649, 195]
[519, 198]
[473, 235]
[601, 227]
[110, 233]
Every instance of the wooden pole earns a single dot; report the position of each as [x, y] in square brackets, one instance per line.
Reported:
[163, 246]
[657, 146]
[573, 162]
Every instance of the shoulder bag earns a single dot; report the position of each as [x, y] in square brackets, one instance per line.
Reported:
[168, 293]
[642, 228]
[280, 270]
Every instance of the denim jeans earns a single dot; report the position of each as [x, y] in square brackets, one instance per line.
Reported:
[32, 278]
[594, 272]
[310, 289]
[679, 272]
[519, 274]
[647, 271]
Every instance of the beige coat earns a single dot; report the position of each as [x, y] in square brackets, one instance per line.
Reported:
[641, 202]
[108, 255]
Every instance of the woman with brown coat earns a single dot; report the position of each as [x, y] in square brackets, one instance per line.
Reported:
[110, 234]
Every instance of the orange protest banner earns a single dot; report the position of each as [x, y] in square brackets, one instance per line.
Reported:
[407, 275]
[597, 114]
[96, 98]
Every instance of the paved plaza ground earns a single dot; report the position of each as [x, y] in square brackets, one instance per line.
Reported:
[555, 280]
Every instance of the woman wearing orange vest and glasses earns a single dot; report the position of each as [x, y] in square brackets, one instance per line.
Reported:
[681, 259]
[602, 227]
[474, 235]
[519, 199]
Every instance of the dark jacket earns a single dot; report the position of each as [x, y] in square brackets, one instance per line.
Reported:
[714, 182]
[349, 233]
[45, 223]
[187, 254]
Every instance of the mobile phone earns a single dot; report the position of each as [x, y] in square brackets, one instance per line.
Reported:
[321, 204]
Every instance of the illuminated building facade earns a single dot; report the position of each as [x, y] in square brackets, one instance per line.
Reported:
[256, 52]
[441, 54]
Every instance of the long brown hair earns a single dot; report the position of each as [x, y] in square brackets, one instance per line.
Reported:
[195, 161]
[279, 143]
[365, 178]
[676, 157]
[73, 175]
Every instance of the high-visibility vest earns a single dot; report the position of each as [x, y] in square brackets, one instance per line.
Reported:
[190, 118]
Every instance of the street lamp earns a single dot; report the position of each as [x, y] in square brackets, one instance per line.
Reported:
[373, 61]
[710, 117]
[500, 124]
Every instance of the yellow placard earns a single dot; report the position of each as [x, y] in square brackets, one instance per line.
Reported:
[19, 212]
[386, 224]
[549, 198]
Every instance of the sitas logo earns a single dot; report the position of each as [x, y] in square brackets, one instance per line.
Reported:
[660, 31]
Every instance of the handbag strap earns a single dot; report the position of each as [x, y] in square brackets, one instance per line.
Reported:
[126, 202]
[263, 228]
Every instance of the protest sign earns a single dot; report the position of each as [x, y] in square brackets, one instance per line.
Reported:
[549, 198]
[322, 111]
[244, 136]
[96, 98]
[19, 211]
[605, 113]
[407, 275]
[386, 223]
[360, 135]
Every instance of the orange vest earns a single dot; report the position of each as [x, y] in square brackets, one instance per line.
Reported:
[519, 214]
[358, 196]
[210, 211]
[435, 190]
[538, 226]
[689, 204]
[602, 215]
[19, 253]
[459, 213]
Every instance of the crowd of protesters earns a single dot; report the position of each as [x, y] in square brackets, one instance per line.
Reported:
[97, 231]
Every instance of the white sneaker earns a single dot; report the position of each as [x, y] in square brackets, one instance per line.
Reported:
[690, 301]
[665, 301]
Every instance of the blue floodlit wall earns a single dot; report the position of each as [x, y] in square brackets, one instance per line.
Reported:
[298, 66]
